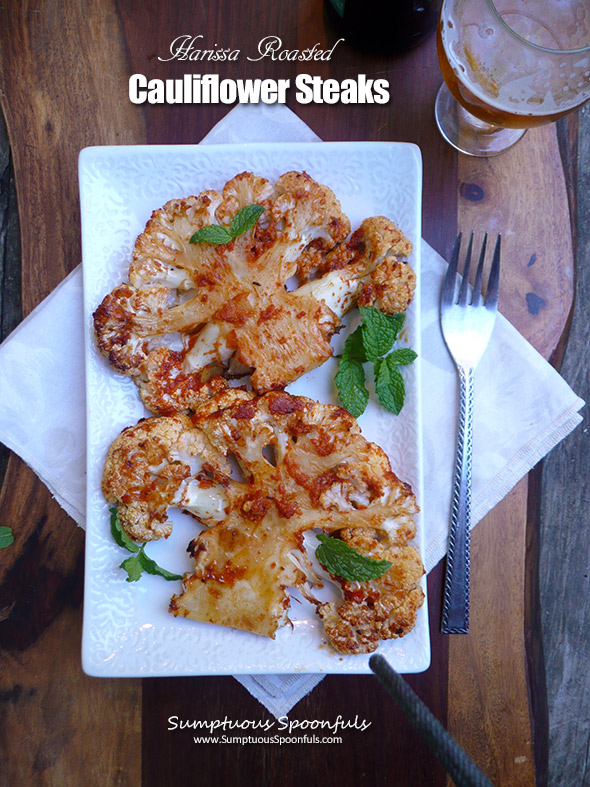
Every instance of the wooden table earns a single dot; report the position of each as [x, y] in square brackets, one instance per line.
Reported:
[64, 70]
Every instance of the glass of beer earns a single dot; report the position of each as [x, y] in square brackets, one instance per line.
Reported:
[509, 65]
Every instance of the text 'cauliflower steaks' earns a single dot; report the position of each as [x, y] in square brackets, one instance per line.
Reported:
[192, 311]
[302, 465]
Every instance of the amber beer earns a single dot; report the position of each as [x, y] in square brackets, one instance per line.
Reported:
[487, 110]
[509, 65]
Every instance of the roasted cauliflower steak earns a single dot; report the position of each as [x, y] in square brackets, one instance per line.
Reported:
[192, 311]
[258, 471]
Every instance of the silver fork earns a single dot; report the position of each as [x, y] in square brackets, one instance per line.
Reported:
[467, 328]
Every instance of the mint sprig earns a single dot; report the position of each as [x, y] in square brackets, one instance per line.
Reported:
[373, 341]
[6, 537]
[346, 562]
[219, 234]
[139, 562]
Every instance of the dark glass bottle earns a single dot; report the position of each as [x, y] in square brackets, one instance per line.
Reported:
[385, 26]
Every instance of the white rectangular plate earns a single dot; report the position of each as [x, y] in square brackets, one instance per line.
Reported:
[128, 630]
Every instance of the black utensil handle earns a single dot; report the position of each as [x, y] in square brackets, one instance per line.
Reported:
[460, 767]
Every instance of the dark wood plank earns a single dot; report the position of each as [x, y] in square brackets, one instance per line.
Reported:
[55, 103]
[10, 289]
[58, 725]
[567, 130]
[58, 67]
[10, 284]
[564, 566]
[357, 757]
[537, 675]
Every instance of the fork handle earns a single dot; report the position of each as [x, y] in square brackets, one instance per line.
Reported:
[455, 617]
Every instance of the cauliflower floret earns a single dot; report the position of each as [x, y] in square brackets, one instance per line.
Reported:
[379, 609]
[163, 462]
[164, 244]
[391, 282]
[144, 471]
[310, 213]
[390, 287]
[364, 270]
[230, 304]
[244, 189]
[297, 465]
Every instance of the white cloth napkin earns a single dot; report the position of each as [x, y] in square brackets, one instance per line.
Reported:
[523, 407]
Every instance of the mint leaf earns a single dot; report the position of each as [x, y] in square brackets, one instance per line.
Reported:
[152, 567]
[218, 234]
[402, 357]
[6, 537]
[245, 219]
[353, 346]
[213, 233]
[344, 561]
[389, 385]
[119, 534]
[350, 382]
[133, 567]
[379, 332]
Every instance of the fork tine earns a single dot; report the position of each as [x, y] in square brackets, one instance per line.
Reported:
[477, 296]
[494, 278]
[465, 283]
[448, 291]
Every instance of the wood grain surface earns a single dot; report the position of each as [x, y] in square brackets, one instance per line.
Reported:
[496, 195]
[563, 528]
[63, 87]
[64, 71]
